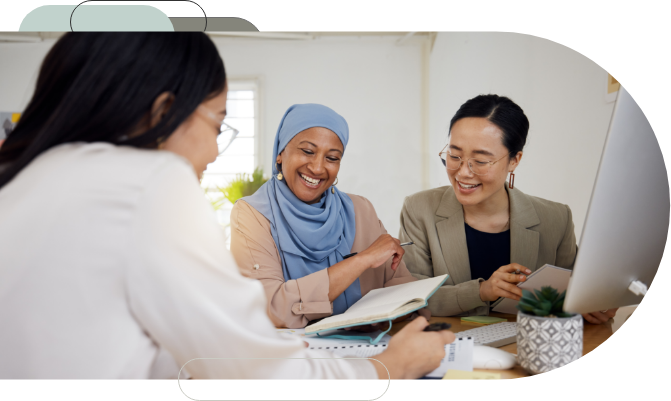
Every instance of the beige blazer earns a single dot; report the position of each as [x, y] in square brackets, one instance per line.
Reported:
[295, 303]
[541, 232]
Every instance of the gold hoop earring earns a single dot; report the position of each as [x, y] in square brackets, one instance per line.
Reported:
[279, 176]
[333, 187]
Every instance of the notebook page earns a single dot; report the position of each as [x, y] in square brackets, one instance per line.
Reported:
[397, 295]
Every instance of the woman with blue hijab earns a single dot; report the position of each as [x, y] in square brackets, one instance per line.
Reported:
[295, 231]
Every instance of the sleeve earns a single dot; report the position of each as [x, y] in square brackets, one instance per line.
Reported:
[291, 304]
[187, 295]
[449, 300]
[401, 275]
[567, 250]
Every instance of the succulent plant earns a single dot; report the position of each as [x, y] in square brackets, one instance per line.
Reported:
[544, 303]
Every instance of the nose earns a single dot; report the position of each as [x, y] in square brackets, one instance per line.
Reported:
[317, 166]
[464, 170]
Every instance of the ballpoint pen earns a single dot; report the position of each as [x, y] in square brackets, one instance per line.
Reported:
[352, 254]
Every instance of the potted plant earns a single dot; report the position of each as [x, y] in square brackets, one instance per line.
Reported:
[243, 185]
[547, 337]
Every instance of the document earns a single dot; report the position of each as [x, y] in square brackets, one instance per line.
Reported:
[547, 275]
[458, 354]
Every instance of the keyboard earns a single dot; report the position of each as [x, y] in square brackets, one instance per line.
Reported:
[493, 335]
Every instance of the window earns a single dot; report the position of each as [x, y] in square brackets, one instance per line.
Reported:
[242, 154]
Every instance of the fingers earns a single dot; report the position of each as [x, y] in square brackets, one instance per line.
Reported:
[513, 267]
[306, 344]
[590, 318]
[597, 317]
[611, 312]
[511, 278]
[448, 336]
[504, 289]
[426, 313]
[417, 324]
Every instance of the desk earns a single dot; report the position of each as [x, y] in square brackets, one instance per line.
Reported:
[593, 336]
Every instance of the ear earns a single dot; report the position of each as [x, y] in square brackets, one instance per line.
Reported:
[160, 107]
[514, 162]
[278, 160]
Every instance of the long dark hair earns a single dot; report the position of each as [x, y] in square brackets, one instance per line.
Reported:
[99, 87]
[502, 112]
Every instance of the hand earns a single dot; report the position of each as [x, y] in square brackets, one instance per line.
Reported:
[600, 317]
[381, 250]
[412, 353]
[503, 283]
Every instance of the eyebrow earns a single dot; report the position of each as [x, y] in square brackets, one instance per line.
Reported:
[477, 151]
[332, 150]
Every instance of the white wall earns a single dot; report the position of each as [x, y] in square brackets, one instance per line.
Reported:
[19, 65]
[376, 85]
[373, 83]
[561, 92]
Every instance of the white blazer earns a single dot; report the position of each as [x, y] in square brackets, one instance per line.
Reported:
[109, 254]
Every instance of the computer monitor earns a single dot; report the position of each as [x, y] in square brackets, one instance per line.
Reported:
[627, 221]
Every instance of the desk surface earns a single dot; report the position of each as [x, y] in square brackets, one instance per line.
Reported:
[593, 336]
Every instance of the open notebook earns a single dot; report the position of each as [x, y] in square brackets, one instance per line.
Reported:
[382, 304]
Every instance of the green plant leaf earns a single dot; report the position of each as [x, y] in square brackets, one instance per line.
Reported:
[550, 293]
[528, 294]
[525, 307]
[541, 312]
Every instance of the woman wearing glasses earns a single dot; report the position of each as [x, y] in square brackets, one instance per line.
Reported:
[124, 259]
[295, 232]
[482, 231]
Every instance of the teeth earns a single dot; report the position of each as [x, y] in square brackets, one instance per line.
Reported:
[310, 180]
[468, 186]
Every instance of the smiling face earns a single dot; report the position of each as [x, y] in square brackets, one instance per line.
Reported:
[310, 163]
[476, 137]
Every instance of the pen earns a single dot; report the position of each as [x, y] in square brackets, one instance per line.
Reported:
[352, 254]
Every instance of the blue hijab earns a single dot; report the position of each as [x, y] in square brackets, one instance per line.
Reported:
[313, 237]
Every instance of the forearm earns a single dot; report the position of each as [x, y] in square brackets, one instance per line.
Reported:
[387, 367]
[344, 273]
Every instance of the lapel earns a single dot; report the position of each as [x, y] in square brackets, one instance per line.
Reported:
[523, 242]
[452, 236]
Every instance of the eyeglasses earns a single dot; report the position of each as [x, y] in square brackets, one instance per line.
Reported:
[477, 166]
[226, 133]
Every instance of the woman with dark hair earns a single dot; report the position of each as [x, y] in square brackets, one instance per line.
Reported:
[481, 230]
[110, 253]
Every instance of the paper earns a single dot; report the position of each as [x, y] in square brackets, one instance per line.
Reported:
[383, 304]
[458, 355]
[342, 347]
[461, 375]
[547, 275]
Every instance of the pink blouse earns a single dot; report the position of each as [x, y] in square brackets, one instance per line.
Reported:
[295, 303]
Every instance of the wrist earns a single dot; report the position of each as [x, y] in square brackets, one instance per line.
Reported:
[363, 263]
[386, 367]
[483, 296]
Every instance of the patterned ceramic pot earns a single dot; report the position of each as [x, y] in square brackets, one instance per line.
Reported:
[545, 343]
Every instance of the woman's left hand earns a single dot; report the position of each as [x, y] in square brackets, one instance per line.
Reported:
[600, 317]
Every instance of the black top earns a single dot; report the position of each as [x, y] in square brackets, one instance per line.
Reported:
[487, 252]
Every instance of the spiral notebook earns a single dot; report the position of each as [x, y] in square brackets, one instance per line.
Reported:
[458, 354]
